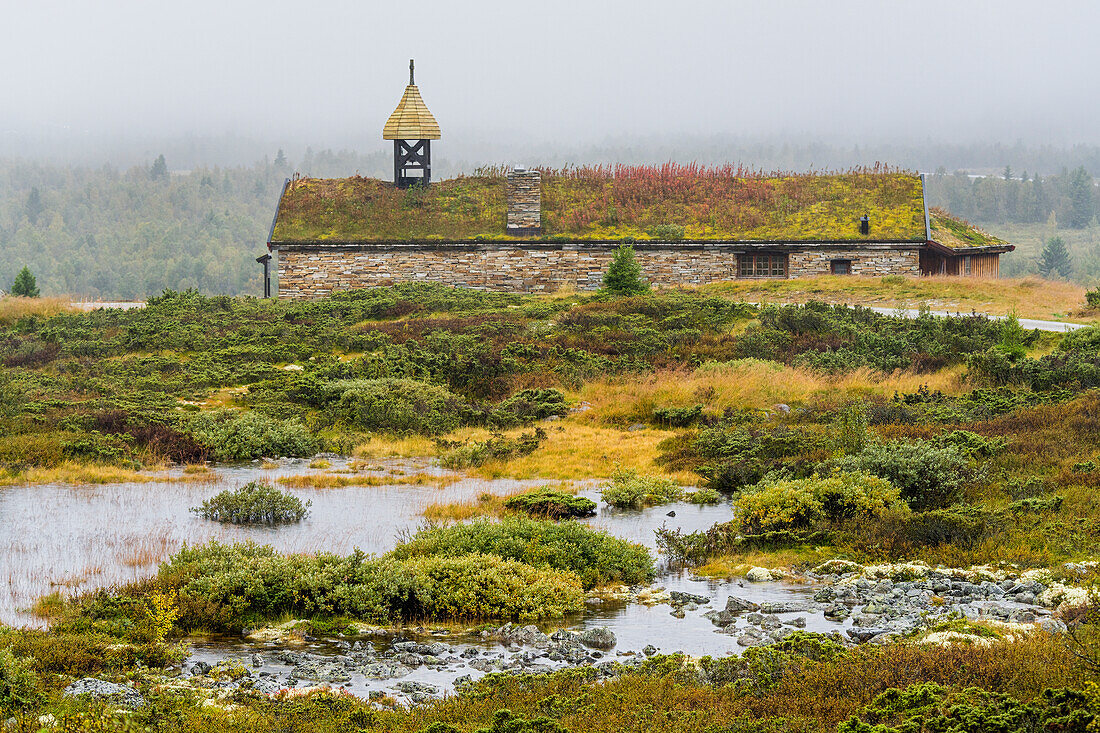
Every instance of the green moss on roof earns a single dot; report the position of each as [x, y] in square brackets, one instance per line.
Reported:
[593, 204]
[951, 231]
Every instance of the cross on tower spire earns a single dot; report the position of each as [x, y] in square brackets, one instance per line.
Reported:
[411, 72]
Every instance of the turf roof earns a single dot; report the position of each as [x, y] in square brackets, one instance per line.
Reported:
[953, 232]
[612, 204]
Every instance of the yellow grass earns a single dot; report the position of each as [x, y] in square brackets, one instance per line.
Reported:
[735, 566]
[485, 505]
[13, 308]
[336, 481]
[744, 384]
[1028, 297]
[92, 473]
[382, 446]
[574, 451]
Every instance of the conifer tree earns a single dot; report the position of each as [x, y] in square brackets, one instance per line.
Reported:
[25, 284]
[1054, 260]
[1082, 202]
[159, 169]
[34, 206]
[624, 274]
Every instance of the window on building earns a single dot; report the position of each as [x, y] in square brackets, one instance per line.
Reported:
[966, 265]
[762, 265]
[841, 267]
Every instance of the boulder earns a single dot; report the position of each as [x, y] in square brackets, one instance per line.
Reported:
[679, 598]
[121, 695]
[598, 638]
[737, 605]
[760, 575]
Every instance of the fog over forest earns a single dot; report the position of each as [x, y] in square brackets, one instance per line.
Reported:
[237, 96]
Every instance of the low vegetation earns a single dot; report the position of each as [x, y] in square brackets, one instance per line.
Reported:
[551, 504]
[254, 503]
[628, 490]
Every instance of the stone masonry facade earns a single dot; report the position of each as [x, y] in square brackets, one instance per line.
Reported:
[314, 271]
[524, 194]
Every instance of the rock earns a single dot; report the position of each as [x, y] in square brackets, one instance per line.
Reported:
[257, 660]
[649, 650]
[759, 575]
[200, 668]
[770, 622]
[785, 409]
[719, 618]
[837, 567]
[864, 634]
[319, 671]
[798, 623]
[680, 598]
[749, 638]
[784, 607]
[837, 612]
[737, 605]
[599, 638]
[265, 686]
[121, 695]
[637, 426]
[671, 513]
[418, 691]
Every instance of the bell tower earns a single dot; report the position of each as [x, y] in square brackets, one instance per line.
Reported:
[412, 129]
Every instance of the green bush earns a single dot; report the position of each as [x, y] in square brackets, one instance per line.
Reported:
[595, 556]
[228, 586]
[624, 274]
[233, 435]
[677, 417]
[970, 444]
[486, 586]
[527, 406]
[18, 683]
[1092, 298]
[799, 504]
[254, 503]
[704, 496]
[551, 504]
[456, 455]
[928, 477]
[928, 706]
[628, 490]
[398, 406]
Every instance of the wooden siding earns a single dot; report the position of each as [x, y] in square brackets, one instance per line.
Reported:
[975, 265]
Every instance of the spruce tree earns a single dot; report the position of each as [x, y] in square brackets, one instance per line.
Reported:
[34, 206]
[159, 169]
[25, 284]
[1054, 260]
[624, 274]
[1082, 201]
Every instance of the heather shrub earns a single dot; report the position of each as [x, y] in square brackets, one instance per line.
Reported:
[527, 406]
[629, 490]
[677, 417]
[18, 683]
[233, 435]
[927, 477]
[228, 586]
[486, 586]
[595, 556]
[254, 503]
[551, 504]
[471, 454]
[398, 406]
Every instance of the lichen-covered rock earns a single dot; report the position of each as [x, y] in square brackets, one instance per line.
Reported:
[599, 638]
[121, 695]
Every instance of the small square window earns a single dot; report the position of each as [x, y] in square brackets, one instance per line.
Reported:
[841, 267]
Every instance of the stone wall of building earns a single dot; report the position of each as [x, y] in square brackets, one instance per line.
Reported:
[317, 271]
[524, 195]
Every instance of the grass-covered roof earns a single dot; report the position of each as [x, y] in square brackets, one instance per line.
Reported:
[609, 204]
[953, 232]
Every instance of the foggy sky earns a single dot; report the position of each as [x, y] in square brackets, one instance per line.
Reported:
[564, 72]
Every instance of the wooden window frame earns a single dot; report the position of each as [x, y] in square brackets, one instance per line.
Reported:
[762, 265]
[967, 267]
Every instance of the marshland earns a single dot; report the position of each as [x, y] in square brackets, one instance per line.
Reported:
[420, 506]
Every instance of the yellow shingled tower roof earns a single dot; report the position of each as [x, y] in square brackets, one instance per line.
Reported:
[411, 120]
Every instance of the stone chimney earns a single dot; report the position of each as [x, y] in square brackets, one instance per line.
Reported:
[524, 202]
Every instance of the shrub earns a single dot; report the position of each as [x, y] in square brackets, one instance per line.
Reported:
[666, 232]
[928, 477]
[254, 503]
[398, 406]
[18, 683]
[704, 496]
[232, 435]
[677, 417]
[628, 490]
[457, 455]
[904, 533]
[970, 444]
[486, 586]
[228, 586]
[1092, 298]
[595, 556]
[624, 274]
[778, 506]
[552, 504]
[527, 406]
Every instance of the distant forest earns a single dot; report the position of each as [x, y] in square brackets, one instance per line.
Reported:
[105, 233]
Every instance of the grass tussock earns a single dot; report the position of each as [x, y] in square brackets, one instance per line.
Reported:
[74, 472]
[14, 308]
